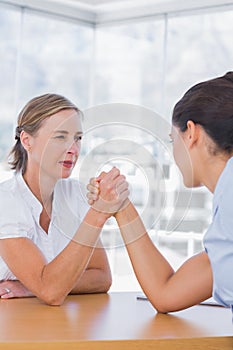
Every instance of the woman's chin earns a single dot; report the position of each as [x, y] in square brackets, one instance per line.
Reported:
[65, 176]
[191, 184]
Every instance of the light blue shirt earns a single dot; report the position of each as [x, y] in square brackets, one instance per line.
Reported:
[20, 216]
[218, 240]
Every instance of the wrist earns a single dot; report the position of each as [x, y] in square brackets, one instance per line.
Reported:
[130, 224]
[96, 218]
[127, 210]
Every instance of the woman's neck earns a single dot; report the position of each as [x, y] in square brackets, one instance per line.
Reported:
[213, 169]
[41, 186]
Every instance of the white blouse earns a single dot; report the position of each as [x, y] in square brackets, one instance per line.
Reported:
[20, 214]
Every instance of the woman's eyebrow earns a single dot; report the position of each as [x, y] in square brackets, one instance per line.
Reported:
[66, 132]
[60, 132]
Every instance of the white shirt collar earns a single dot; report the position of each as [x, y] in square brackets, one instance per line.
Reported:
[27, 194]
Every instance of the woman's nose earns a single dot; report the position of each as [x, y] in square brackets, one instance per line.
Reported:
[74, 148]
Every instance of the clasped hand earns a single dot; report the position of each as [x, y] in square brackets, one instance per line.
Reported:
[108, 192]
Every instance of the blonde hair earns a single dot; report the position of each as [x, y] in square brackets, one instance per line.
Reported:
[30, 120]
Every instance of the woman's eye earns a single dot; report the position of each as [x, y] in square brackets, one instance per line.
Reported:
[78, 138]
[170, 140]
[60, 137]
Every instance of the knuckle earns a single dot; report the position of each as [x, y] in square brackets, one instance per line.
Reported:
[113, 193]
[117, 171]
[102, 174]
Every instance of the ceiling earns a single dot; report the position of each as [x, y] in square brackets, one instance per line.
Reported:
[102, 12]
[98, 2]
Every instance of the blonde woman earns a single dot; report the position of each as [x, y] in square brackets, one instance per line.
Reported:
[49, 237]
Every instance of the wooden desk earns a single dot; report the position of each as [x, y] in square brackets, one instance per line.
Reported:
[111, 321]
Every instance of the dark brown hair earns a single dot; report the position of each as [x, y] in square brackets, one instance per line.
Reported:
[210, 104]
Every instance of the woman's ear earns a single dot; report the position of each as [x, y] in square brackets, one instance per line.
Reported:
[192, 133]
[25, 139]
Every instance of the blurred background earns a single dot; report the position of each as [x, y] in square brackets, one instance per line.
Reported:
[142, 53]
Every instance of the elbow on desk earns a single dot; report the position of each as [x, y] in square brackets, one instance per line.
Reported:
[106, 285]
[51, 296]
[160, 308]
[167, 308]
[164, 305]
[55, 298]
[52, 300]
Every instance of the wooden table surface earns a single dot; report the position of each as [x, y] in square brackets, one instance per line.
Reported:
[111, 321]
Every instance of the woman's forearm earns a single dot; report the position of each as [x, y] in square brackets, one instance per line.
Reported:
[150, 267]
[167, 290]
[69, 267]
